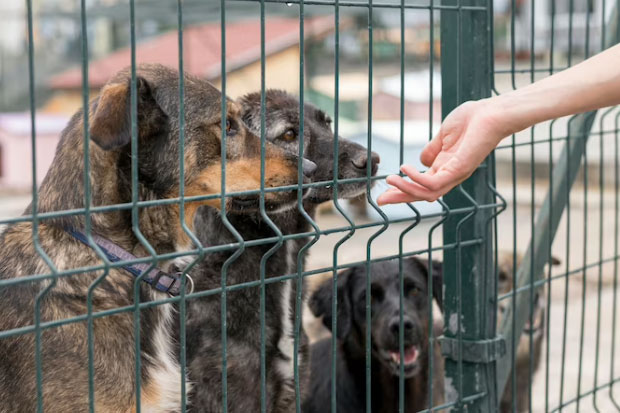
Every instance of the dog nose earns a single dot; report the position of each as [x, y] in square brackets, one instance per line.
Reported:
[361, 162]
[395, 325]
[309, 168]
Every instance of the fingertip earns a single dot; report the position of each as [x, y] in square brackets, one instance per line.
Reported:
[426, 159]
[392, 179]
[405, 168]
[383, 198]
[409, 170]
[430, 151]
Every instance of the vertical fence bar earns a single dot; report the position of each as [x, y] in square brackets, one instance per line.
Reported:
[338, 206]
[530, 365]
[182, 222]
[265, 217]
[465, 45]
[432, 339]
[35, 218]
[585, 234]
[368, 337]
[300, 207]
[401, 238]
[87, 213]
[135, 209]
[224, 217]
[375, 207]
[549, 245]
[616, 251]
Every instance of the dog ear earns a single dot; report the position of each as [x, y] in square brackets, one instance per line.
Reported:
[321, 303]
[249, 103]
[110, 119]
[437, 281]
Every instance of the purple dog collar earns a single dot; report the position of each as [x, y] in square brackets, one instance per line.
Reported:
[158, 279]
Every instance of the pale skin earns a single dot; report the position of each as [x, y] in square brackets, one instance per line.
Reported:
[472, 130]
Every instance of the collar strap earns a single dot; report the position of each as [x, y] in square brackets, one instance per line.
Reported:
[156, 278]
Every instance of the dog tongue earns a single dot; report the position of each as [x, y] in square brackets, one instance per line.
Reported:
[411, 355]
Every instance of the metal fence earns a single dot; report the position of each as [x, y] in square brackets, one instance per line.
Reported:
[480, 353]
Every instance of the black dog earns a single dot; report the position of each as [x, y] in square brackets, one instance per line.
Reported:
[243, 305]
[386, 359]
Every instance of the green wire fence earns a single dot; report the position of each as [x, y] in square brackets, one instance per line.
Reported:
[485, 214]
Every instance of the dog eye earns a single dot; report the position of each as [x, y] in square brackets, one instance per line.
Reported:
[290, 135]
[230, 128]
[413, 291]
[376, 293]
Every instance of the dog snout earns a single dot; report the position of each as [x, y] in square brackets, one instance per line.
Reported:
[394, 325]
[361, 161]
[309, 168]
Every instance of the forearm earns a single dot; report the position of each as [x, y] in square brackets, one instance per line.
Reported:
[590, 85]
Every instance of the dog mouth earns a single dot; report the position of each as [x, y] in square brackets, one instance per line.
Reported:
[411, 356]
[243, 202]
[251, 203]
[348, 190]
[410, 360]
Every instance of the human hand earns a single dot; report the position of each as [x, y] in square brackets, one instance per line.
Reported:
[466, 137]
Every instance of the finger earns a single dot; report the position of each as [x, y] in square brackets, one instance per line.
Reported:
[414, 189]
[434, 181]
[391, 190]
[431, 150]
[395, 197]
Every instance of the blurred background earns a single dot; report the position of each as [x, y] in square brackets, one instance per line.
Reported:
[531, 40]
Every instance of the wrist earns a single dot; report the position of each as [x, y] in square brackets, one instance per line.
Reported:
[501, 116]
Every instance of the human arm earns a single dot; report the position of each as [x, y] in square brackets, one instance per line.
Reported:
[472, 130]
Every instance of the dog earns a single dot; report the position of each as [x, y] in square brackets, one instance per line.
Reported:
[64, 349]
[385, 329]
[536, 328]
[280, 304]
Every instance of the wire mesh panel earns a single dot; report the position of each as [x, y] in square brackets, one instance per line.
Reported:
[206, 236]
[560, 180]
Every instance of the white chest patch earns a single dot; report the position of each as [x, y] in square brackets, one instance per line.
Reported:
[166, 372]
[286, 342]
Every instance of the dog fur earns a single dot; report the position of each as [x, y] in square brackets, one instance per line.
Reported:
[537, 329]
[385, 329]
[243, 315]
[64, 349]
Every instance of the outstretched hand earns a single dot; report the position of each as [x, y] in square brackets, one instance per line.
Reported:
[466, 137]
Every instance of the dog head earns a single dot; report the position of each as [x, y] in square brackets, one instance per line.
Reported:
[158, 129]
[282, 128]
[385, 310]
[505, 280]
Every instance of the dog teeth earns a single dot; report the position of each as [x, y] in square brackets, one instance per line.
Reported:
[411, 355]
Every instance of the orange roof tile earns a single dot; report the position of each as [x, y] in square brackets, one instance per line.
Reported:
[201, 49]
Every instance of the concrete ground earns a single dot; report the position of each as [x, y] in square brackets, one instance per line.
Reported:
[586, 296]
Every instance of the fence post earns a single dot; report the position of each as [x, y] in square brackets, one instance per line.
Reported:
[469, 343]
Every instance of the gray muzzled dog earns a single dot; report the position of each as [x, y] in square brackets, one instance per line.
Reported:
[243, 305]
